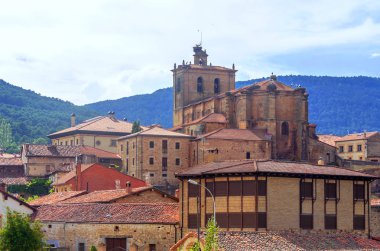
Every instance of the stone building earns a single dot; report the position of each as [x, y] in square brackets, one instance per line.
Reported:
[116, 226]
[43, 160]
[375, 218]
[100, 132]
[93, 177]
[273, 195]
[230, 144]
[155, 154]
[359, 146]
[282, 111]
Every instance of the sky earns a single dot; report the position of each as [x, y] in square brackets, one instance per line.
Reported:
[88, 51]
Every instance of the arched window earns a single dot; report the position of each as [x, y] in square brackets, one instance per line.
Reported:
[178, 85]
[216, 85]
[200, 84]
[285, 128]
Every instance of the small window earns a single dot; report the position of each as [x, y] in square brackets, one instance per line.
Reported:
[164, 164]
[330, 221]
[221, 188]
[341, 149]
[350, 148]
[359, 148]
[113, 143]
[359, 192]
[285, 128]
[151, 161]
[359, 222]
[133, 161]
[216, 86]
[127, 147]
[200, 85]
[234, 188]
[178, 85]
[164, 175]
[151, 174]
[330, 191]
[81, 246]
[164, 146]
[121, 148]
[48, 168]
[193, 221]
[306, 221]
[177, 162]
[193, 190]
[126, 164]
[152, 247]
[98, 142]
[247, 155]
[306, 189]
[151, 144]
[77, 141]
[177, 145]
[133, 145]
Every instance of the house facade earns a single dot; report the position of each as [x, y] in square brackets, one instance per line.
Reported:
[274, 196]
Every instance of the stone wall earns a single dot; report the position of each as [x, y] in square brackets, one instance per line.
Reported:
[375, 221]
[138, 236]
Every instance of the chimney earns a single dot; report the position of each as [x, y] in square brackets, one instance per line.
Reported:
[73, 120]
[78, 171]
[3, 187]
[111, 114]
[321, 162]
[128, 187]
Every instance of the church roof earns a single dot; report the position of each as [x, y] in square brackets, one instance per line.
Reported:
[209, 118]
[236, 134]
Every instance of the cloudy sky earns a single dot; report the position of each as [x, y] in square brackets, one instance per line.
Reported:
[86, 51]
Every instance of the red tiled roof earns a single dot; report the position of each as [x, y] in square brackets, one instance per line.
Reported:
[328, 139]
[54, 198]
[66, 151]
[15, 180]
[236, 134]
[209, 118]
[132, 213]
[357, 136]
[71, 174]
[375, 202]
[15, 161]
[271, 167]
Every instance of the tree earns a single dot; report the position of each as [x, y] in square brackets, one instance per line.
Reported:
[136, 126]
[211, 238]
[20, 234]
[5, 134]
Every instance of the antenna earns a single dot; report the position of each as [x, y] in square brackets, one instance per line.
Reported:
[200, 43]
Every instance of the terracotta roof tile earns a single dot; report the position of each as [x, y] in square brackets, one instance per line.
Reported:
[209, 118]
[357, 136]
[156, 131]
[98, 124]
[375, 202]
[271, 167]
[15, 161]
[15, 180]
[236, 134]
[54, 198]
[133, 213]
[71, 174]
[328, 139]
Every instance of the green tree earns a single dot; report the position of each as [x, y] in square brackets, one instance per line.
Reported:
[40, 141]
[38, 187]
[93, 248]
[5, 134]
[211, 238]
[136, 126]
[20, 234]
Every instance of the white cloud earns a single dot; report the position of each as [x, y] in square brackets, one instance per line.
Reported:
[85, 51]
[375, 55]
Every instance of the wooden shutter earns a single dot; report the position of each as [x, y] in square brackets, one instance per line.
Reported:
[249, 220]
[193, 190]
[221, 188]
[330, 190]
[306, 221]
[307, 189]
[359, 191]
[234, 188]
[249, 187]
[330, 222]
[192, 221]
[235, 220]
[210, 185]
[359, 222]
[262, 184]
[222, 220]
[262, 220]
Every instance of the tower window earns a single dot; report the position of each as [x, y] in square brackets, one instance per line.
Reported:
[285, 128]
[178, 85]
[200, 84]
[216, 85]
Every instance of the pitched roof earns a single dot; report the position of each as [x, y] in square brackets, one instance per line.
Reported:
[209, 118]
[271, 167]
[236, 134]
[204, 67]
[101, 124]
[106, 196]
[15, 161]
[357, 136]
[15, 180]
[287, 240]
[5, 194]
[132, 213]
[156, 131]
[54, 198]
[71, 174]
[328, 139]
[66, 151]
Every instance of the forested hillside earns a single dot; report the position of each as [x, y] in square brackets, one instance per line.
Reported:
[337, 104]
[32, 116]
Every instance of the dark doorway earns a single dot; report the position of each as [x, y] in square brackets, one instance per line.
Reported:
[116, 244]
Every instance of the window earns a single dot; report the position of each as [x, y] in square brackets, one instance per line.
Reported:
[193, 190]
[262, 220]
[177, 162]
[249, 187]
[127, 147]
[350, 148]
[330, 191]
[152, 247]
[151, 174]
[66, 143]
[359, 192]
[77, 141]
[359, 222]
[221, 188]
[133, 161]
[164, 146]
[193, 221]
[306, 189]
[234, 188]
[48, 168]
[200, 85]
[81, 247]
[126, 164]
[133, 145]
[151, 161]
[330, 221]
[247, 155]
[121, 148]
[178, 85]
[98, 142]
[216, 85]
[249, 220]
[359, 148]
[177, 145]
[262, 186]
[284, 128]
[306, 221]
[151, 144]
[71, 142]
[341, 149]
[235, 220]
[164, 164]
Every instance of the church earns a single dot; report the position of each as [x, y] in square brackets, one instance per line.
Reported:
[268, 119]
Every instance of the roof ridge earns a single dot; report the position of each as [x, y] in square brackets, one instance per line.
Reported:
[236, 164]
[90, 122]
